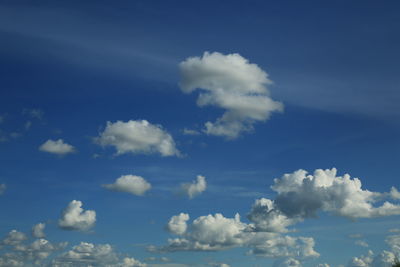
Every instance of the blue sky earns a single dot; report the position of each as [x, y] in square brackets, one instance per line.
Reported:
[108, 104]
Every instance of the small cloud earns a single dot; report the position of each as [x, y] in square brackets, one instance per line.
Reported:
[394, 193]
[57, 147]
[75, 218]
[194, 188]
[394, 230]
[38, 230]
[177, 224]
[190, 132]
[138, 137]
[132, 184]
[361, 243]
[232, 83]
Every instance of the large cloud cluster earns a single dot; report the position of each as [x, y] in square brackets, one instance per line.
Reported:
[17, 250]
[216, 232]
[138, 137]
[26, 253]
[301, 196]
[232, 83]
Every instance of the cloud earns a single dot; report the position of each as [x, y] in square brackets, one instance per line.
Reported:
[394, 242]
[216, 232]
[20, 251]
[394, 193]
[361, 243]
[177, 224]
[383, 259]
[266, 217]
[132, 184]
[38, 230]
[32, 254]
[287, 262]
[88, 254]
[75, 218]
[232, 83]
[137, 137]
[3, 188]
[14, 238]
[194, 188]
[57, 147]
[300, 196]
[190, 132]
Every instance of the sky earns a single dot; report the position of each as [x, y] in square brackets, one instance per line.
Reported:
[199, 133]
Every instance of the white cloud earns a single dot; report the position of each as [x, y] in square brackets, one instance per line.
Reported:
[266, 217]
[394, 193]
[138, 137]
[216, 232]
[38, 230]
[177, 224]
[394, 242]
[194, 188]
[285, 246]
[18, 251]
[301, 195]
[88, 254]
[231, 83]
[361, 243]
[132, 184]
[3, 188]
[14, 238]
[287, 262]
[75, 218]
[57, 147]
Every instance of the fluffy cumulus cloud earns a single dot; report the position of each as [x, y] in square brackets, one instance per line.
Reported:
[38, 230]
[300, 196]
[287, 262]
[216, 232]
[177, 224]
[138, 137]
[232, 83]
[194, 188]
[75, 218]
[132, 184]
[57, 147]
